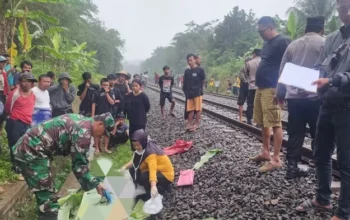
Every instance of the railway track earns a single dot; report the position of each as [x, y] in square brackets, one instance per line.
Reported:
[306, 151]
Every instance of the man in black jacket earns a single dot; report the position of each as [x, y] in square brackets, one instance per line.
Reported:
[333, 123]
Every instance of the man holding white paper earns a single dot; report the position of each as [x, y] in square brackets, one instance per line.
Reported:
[303, 106]
[333, 124]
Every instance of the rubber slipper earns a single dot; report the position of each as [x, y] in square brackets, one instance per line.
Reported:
[309, 205]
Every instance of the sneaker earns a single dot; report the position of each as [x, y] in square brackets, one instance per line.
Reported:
[268, 166]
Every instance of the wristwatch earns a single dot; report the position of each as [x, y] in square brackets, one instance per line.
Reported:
[330, 82]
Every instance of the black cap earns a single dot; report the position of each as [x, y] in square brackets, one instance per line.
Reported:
[27, 76]
[111, 76]
[315, 22]
[86, 76]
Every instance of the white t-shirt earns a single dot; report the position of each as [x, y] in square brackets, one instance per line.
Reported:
[217, 83]
[42, 98]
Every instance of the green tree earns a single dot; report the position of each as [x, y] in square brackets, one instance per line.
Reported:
[312, 8]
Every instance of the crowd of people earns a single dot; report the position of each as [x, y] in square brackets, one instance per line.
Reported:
[326, 113]
[40, 124]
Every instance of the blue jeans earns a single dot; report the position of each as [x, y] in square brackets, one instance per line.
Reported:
[15, 129]
[333, 125]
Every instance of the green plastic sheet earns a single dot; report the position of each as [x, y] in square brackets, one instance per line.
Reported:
[137, 213]
[206, 157]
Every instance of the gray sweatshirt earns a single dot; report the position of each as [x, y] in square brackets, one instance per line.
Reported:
[60, 99]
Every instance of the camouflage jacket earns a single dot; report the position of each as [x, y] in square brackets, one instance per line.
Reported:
[64, 135]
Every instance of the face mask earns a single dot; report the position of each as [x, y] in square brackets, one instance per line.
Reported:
[140, 152]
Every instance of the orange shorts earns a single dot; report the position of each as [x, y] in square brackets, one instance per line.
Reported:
[194, 104]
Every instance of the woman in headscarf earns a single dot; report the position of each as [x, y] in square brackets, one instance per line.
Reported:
[149, 166]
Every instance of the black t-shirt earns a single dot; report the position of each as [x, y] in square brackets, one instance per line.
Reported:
[193, 82]
[117, 96]
[138, 108]
[166, 83]
[86, 104]
[271, 57]
[101, 101]
[122, 88]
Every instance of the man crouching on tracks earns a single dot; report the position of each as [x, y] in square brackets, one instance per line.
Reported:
[334, 119]
[68, 134]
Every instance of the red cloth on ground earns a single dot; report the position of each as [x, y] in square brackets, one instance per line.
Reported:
[22, 109]
[186, 178]
[180, 146]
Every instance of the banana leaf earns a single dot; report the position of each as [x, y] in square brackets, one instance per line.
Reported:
[205, 158]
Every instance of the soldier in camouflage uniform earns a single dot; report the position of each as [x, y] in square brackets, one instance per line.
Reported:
[67, 134]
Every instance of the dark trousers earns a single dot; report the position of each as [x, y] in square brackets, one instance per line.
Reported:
[15, 129]
[58, 112]
[333, 125]
[250, 104]
[217, 89]
[132, 129]
[162, 183]
[300, 113]
[118, 139]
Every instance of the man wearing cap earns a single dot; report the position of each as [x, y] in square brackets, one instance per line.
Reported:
[86, 91]
[69, 134]
[62, 95]
[124, 89]
[303, 107]
[251, 67]
[19, 107]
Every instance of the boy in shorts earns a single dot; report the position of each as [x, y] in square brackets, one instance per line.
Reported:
[193, 88]
[166, 82]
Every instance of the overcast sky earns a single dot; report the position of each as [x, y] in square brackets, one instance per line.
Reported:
[147, 24]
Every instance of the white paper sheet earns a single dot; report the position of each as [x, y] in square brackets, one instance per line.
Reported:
[300, 77]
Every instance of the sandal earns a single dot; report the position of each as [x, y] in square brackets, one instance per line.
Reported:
[172, 115]
[259, 158]
[309, 205]
[268, 166]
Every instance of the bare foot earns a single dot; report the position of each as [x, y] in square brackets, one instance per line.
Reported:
[336, 218]
[1, 190]
[20, 177]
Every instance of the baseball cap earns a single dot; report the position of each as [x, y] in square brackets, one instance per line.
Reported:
[27, 76]
[108, 122]
[3, 59]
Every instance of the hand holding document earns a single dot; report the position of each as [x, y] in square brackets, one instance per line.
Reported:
[300, 77]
